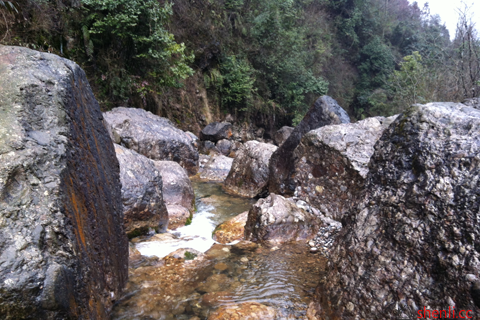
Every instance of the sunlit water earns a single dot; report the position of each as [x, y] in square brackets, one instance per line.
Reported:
[213, 207]
[171, 288]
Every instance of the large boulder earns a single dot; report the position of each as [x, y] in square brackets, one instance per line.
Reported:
[216, 131]
[63, 249]
[277, 220]
[248, 176]
[413, 243]
[177, 187]
[216, 168]
[177, 193]
[143, 204]
[325, 111]
[282, 135]
[152, 136]
[331, 164]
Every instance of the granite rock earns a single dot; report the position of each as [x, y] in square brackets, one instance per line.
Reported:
[216, 168]
[63, 249]
[153, 136]
[331, 164]
[142, 195]
[248, 176]
[277, 220]
[282, 135]
[413, 240]
[216, 131]
[325, 111]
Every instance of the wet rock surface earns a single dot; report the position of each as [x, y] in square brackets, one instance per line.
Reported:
[282, 135]
[177, 288]
[248, 176]
[277, 220]
[177, 216]
[216, 131]
[215, 167]
[177, 189]
[325, 111]
[331, 164]
[232, 229]
[246, 310]
[412, 242]
[222, 282]
[144, 208]
[63, 249]
[152, 136]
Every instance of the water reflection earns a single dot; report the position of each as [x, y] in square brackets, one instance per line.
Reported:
[175, 288]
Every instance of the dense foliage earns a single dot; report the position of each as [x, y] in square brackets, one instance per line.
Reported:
[257, 59]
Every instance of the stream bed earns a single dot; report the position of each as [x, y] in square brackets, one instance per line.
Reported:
[184, 274]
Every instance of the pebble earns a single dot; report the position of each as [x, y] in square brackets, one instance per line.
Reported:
[314, 250]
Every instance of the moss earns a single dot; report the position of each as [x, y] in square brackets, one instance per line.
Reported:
[240, 183]
[189, 255]
[189, 220]
[217, 228]
[137, 232]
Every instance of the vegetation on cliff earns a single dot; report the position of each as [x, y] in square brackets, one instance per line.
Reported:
[266, 61]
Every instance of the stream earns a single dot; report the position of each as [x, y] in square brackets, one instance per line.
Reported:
[184, 274]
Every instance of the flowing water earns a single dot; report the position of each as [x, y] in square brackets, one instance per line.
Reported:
[166, 286]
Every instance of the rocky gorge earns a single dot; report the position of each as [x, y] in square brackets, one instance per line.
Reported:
[375, 219]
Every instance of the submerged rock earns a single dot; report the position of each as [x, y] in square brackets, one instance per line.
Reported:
[152, 136]
[216, 168]
[413, 241]
[64, 252]
[277, 220]
[246, 310]
[282, 135]
[216, 131]
[142, 195]
[249, 174]
[324, 112]
[332, 163]
[232, 229]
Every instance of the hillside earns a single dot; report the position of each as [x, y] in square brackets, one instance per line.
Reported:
[263, 62]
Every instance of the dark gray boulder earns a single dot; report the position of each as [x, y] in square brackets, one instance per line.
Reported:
[216, 131]
[331, 164]
[224, 146]
[177, 187]
[177, 192]
[277, 220]
[414, 240]
[282, 135]
[142, 195]
[153, 136]
[325, 111]
[63, 249]
[248, 176]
